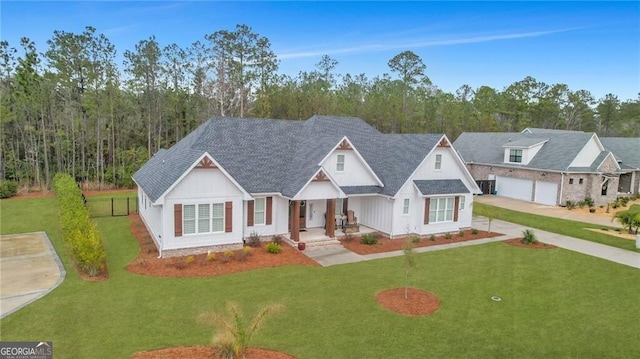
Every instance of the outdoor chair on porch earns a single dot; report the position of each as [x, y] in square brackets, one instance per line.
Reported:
[351, 224]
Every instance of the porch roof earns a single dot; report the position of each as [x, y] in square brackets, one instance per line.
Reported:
[445, 186]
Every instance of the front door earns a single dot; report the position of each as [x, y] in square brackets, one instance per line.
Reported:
[303, 214]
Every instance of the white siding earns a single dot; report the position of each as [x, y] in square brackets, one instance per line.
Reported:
[315, 213]
[464, 219]
[202, 186]
[451, 168]
[319, 190]
[587, 154]
[279, 217]
[355, 172]
[151, 216]
[376, 213]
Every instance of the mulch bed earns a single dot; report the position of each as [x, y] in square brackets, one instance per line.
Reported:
[201, 352]
[418, 302]
[148, 262]
[386, 245]
[518, 243]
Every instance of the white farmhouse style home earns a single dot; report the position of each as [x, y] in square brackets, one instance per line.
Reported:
[232, 177]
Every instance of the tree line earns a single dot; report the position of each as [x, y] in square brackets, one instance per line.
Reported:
[71, 108]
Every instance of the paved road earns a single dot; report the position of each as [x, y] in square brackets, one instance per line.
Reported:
[29, 269]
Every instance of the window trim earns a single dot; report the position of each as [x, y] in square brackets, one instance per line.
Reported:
[438, 165]
[263, 200]
[196, 218]
[406, 206]
[513, 155]
[435, 210]
[339, 163]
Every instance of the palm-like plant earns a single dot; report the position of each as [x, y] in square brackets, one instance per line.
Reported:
[233, 332]
[628, 220]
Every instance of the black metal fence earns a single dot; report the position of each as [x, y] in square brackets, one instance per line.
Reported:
[112, 207]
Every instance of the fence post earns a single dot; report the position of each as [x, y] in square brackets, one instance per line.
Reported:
[127, 206]
[111, 206]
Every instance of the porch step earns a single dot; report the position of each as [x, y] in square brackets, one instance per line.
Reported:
[323, 243]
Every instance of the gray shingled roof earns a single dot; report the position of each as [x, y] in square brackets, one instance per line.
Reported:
[265, 155]
[556, 154]
[349, 190]
[446, 186]
[625, 149]
[525, 142]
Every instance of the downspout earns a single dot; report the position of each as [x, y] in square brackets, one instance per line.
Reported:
[561, 186]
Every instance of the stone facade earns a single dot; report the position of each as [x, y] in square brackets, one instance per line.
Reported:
[575, 186]
[168, 253]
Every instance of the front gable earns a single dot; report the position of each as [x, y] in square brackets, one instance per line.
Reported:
[609, 164]
[319, 186]
[522, 151]
[451, 166]
[347, 167]
[589, 152]
[204, 178]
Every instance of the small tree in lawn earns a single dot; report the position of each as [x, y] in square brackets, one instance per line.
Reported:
[409, 261]
[233, 331]
[491, 215]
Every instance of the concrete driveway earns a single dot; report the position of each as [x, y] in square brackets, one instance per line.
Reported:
[29, 269]
[544, 210]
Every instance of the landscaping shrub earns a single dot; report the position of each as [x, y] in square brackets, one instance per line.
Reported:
[80, 233]
[415, 239]
[228, 254]
[581, 204]
[432, 238]
[588, 201]
[368, 239]
[274, 248]
[528, 237]
[474, 231]
[211, 256]
[447, 236]
[253, 240]
[571, 205]
[8, 189]
[461, 234]
[247, 251]
[190, 260]
[278, 239]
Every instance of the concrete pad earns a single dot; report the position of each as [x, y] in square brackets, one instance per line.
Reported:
[333, 255]
[29, 269]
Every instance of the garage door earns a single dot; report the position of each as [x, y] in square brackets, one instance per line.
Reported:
[514, 188]
[546, 193]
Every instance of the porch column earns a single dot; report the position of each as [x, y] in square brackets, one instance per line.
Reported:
[295, 221]
[331, 219]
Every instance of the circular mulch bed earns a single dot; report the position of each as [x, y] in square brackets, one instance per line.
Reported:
[418, 303]
[206, 353]
[517, 242]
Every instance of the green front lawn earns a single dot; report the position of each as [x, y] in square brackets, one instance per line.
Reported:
[556, 303]
[555, 225]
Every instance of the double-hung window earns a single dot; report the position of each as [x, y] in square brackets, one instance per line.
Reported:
[258, 211]
[462, 203]
[515, 156]
[441, 210]
[202, 218]
[340, 163]
[405, 206]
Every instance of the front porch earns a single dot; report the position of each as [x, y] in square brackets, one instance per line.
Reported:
[316, 237]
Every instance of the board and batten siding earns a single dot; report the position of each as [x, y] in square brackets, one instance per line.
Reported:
[355, 171]
[151, 217]
[318, 190]
[200, 186]
[375, 212]
[279, 217]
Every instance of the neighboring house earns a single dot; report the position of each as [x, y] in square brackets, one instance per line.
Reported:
[544, 166]
[627, 152]
[232, 177]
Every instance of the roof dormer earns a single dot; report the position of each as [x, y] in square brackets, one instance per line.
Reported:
[520, 151]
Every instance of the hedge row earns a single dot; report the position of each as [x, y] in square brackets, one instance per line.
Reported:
[81, 234]
[8, 189]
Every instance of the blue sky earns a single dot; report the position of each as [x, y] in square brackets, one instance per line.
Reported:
[587, 45]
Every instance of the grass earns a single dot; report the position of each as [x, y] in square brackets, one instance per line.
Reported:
[556, 303]
[101, 206]
[555, 225]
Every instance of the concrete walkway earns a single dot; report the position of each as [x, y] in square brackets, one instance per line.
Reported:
[335, 255]
[548, 211]
[29, 269]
